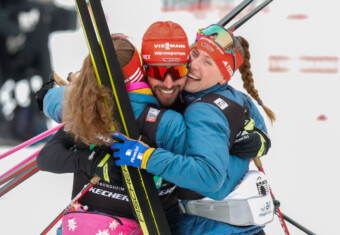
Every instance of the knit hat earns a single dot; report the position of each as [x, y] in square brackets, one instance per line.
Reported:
[224, 60]
[132, 71]
[165, 42]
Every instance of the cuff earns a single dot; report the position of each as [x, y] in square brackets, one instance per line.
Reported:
[147, 154]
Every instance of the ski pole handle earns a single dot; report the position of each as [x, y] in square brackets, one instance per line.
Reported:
[257, 162]
[59, 80]
[95, 179]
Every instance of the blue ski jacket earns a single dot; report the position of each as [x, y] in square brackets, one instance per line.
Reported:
[193, 150]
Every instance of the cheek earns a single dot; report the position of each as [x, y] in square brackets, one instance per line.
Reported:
[153, 82]
[181, 82]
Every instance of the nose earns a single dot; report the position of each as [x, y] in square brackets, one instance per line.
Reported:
[193, 63]
[168, 82]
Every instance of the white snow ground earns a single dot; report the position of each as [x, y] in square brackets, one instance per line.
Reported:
[303, 162]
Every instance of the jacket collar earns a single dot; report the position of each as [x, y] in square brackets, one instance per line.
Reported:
[190, 97]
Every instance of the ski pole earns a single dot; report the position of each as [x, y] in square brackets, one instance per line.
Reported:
[296, 224]
[18, 179]
[258, 164]
[31, 141]
[18, 168]
[86, 188]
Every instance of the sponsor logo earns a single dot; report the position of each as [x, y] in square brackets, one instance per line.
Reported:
[266, 209]
[168, 46]
[132, 193]
[228, 67]
[109, 194]
[169, 60]
[91, 156]
[146, 57]
[140, 156]
[166, 191]
[105, 185]
[221, 103]
[262, 186]
[207, 46]
[128, 152]
[134, 154]
[152, 115]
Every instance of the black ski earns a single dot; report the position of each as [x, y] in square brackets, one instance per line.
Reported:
[143, 195]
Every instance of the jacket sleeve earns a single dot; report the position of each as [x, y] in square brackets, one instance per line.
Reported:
[57, 155]
[171, 130]
[204, 166]
[53, 103]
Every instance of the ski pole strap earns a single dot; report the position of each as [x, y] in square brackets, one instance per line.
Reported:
[148, 122]
[235, 113]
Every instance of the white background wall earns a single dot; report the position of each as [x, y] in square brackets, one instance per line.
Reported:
[303, 162]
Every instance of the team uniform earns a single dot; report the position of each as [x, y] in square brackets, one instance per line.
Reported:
[206, 166]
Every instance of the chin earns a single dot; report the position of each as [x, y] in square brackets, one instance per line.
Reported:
[190, 89]
[166, 101]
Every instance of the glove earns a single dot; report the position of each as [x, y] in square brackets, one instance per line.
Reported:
[130, 152]
[40, 94]
[251, 144]
[100, 163]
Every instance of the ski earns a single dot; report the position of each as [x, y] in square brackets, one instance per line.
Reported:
[143, 196]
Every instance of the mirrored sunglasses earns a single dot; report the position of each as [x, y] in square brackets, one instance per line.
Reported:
[160, 72]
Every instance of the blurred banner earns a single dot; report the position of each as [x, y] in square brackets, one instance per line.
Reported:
[25, 63]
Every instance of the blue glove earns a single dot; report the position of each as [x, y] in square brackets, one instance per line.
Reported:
[130, 152]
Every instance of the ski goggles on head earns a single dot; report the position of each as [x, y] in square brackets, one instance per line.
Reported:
[160, 72]
[221, 36]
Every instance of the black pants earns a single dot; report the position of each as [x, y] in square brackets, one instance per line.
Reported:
[260, 233]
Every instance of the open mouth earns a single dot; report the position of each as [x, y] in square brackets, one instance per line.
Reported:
[193, 77]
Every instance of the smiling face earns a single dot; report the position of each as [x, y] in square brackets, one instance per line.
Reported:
[168, 90]
[203, 72]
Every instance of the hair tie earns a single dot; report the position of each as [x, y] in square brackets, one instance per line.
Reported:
[259, 102]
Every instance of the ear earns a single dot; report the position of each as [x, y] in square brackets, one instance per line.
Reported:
[222, 81]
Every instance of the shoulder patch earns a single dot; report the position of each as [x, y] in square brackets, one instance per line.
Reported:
[221, 103]
[152, 115]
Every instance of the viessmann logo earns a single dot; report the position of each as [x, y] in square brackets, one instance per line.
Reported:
[168, 46]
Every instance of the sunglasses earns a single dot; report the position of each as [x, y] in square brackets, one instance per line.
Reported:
[160, 72]
[221, 36]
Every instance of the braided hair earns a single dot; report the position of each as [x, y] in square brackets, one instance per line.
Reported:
[242, 46]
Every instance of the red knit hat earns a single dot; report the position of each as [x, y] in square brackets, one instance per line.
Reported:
[225, 60]
[165, 42]
[133, 71]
